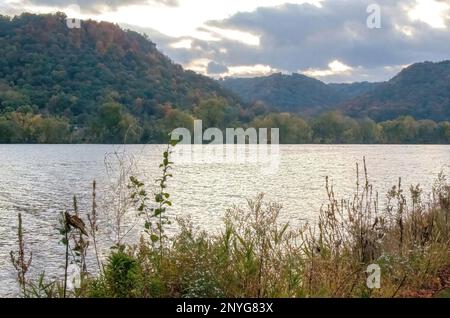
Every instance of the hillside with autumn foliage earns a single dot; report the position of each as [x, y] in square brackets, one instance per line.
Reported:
[103, 84]
[97, 83]
[421, 90]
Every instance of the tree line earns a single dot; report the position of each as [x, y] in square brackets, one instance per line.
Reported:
[335, 128]
[113, 124]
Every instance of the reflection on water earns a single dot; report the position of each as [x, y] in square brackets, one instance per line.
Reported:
[40, 180]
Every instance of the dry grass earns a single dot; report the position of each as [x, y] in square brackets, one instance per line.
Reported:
[256, 256]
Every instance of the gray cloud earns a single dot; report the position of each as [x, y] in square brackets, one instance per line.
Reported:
[216, 68]
[300, 37]
[297, 37]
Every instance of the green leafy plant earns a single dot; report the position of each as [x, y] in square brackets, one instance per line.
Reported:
[41, 288]
[122, 275]
[155, 215]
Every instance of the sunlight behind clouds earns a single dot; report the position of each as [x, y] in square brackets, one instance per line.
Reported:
[335, 67]
[198, 65]
[236, 35]
[189, 15]
[182, 44]
[201, 66]
[432, 12]
[250, 70]
[260, 37]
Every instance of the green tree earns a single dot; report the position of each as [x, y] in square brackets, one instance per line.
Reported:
[293, 129]
[370, 131]
[333, 127]
[215, 112]
[401, 130]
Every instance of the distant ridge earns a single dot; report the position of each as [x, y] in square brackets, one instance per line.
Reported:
[421, 90]
[295, 93]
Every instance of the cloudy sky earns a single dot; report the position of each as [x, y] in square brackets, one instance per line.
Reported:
[326, 39]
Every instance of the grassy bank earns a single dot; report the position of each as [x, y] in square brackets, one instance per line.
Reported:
[255, 255]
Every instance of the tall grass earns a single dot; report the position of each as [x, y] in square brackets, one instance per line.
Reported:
[256, 255]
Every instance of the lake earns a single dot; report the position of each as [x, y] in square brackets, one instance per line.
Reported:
[40, 180]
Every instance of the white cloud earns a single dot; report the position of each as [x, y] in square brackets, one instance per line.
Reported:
[201, 66]
[260, 37]
[236, 35]
[182, 44]
[432, 12]
[250, 70]
[334, 68]
[405, 29]
[198, 65]
[180, 20]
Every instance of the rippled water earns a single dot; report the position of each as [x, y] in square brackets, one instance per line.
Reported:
[40, 180]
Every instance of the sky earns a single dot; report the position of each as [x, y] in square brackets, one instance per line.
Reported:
[330, 40]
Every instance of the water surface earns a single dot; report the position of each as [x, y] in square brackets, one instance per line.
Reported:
[40, 180]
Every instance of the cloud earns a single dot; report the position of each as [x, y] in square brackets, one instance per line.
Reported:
[431, 12]
[97, 6]
[216, 68]
[198, 65]
[291, 37]
[182, 44]
[236, 35]
[315, 39]
[334, 68]
[250, 70]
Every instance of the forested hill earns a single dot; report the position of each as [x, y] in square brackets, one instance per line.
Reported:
[348, 91]
[421, 90]
[103, 84]
[292, 93]
[295, 93]
[101, 80]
